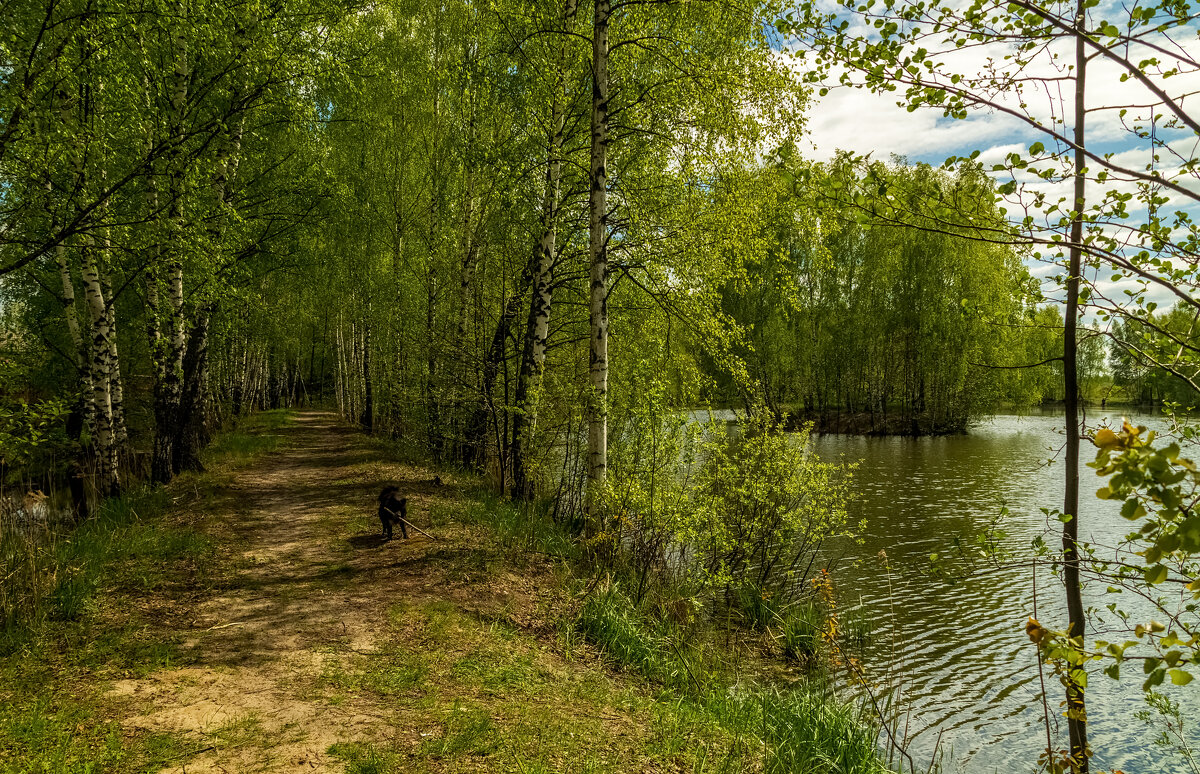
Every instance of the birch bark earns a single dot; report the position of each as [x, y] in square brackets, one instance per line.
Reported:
[116, 387]
[537, 328]
[79, 349]
[368, 415]
[168, 392]
[598, 253]
[101, 360]
[108, 473]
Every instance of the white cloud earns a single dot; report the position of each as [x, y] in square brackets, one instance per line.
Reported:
[864, 122]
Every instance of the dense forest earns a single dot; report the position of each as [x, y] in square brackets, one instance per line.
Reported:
[535, 242]
[427, 217]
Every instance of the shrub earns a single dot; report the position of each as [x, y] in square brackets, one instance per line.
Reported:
[764, 505]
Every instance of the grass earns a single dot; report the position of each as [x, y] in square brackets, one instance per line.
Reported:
[748, 723]
[363, 758]
[55, 572]
[257, 435]
[88, 608]
[802, 727]
[467, 730]
[515, 527]
[387, 673]
[493, 659]
[126, 547]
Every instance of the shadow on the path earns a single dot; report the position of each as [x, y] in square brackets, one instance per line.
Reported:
[363, 542]
[297, 587]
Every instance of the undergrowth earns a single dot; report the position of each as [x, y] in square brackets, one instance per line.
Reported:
[800, 727]
[86, 601]
[803, 727]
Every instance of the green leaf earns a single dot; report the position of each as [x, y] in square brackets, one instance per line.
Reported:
[1180, 677]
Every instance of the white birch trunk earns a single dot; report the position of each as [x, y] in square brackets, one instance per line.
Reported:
[598, 291]
[533, 355]
[106, 448]
[170, 390]
[343, 403]
[116, 387]
[79, 349]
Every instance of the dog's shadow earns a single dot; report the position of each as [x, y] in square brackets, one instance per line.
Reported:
[370, 540]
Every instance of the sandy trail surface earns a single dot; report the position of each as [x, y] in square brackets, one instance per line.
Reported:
[275, 653]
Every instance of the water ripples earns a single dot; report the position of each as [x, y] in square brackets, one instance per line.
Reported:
[963, 675]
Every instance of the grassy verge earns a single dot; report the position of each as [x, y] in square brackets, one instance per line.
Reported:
[488, 649]
[108, 586]
[770, 725]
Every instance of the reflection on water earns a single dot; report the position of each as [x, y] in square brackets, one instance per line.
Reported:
[969, 672]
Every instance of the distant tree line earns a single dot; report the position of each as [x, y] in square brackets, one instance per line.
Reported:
[898, 330]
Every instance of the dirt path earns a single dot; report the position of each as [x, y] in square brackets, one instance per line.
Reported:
[324, 647]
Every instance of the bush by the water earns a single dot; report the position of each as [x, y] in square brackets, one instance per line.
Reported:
[768, 503]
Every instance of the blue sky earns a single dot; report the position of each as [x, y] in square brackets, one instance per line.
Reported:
[860, 121]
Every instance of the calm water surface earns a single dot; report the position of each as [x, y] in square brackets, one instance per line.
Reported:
[967, 674]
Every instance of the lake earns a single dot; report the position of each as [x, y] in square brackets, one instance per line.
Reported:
[966, 672]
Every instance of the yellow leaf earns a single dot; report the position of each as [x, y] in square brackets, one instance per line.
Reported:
[1105, 438]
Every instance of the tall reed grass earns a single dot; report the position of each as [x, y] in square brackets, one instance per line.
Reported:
[803, 727]
[53, 569]
[29, 572]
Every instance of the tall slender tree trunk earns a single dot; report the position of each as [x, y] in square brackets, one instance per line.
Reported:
[150, 278]
[537, 328]
[192, 422]
[168, 392]
[368, 414]
[102, 348]
[1076, 708]
[466, 368]
[435, 433]
[475, 437]
[340, 387]
[150, 275]
[597, 468]
[470, 262]
[79, 348]
[109, 481]
[116, 387]
[188, 425]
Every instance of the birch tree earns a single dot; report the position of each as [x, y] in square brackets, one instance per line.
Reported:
[598, 234]
[537, 326]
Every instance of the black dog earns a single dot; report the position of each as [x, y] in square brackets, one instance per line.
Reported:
[393, 510]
